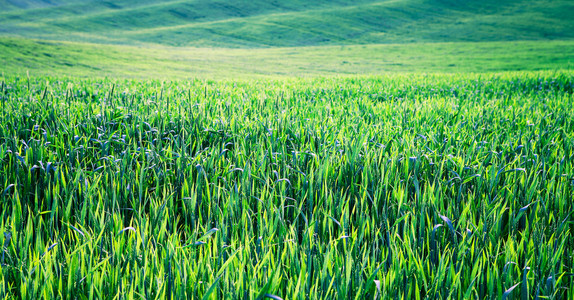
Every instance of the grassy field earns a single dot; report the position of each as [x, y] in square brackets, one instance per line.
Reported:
[20, 56]
[233, 149]
[292, 23]
[403, 186]
[173, 39]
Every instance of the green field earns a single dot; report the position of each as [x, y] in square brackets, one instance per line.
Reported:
[403, 186]
[37, 57]
[233, 149]
[228, 39]
[257, 23]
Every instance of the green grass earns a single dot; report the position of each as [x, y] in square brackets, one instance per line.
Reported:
[87, 60]
[398, 149]
[293, 23]
[402, 186]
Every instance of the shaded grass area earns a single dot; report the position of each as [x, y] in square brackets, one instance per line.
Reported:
[224, 23]
[86, 60]
[400, 186]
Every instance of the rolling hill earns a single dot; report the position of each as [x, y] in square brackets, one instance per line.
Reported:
[240, 38]
[294, 23]
[38, 57]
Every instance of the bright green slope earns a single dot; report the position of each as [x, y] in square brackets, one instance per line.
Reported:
[249, 23]
[87, 60]
[232, 38]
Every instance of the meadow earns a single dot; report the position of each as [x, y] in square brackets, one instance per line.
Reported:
[99, 61]
[288, 23]
[391, 186]
[327, 149]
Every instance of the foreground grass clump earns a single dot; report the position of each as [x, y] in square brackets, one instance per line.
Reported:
[401, 186]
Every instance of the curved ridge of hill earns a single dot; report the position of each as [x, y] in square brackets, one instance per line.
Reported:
[256, 23]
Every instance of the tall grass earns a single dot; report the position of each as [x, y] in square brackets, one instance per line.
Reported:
[366, 187]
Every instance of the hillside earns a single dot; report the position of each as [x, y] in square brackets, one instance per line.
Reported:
[37, 57]
[242, 23]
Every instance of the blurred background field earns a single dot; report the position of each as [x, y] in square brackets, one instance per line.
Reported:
[234, 39]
